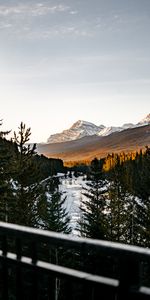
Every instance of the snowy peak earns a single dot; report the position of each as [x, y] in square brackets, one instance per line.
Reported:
[78, 130]
[108, 130]
[81, 123]
[82, 128]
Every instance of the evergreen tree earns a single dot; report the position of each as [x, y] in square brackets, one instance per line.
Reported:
[122, 223]
[51, 208]
[142, 175]
[53, 216]
[26, 176]
[93, 219]
[115, 205]
[137, 182]
[6, 188]
[142, 190]
[121, 208]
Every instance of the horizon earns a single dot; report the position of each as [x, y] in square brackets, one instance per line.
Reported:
[65, 60]
[40, 142]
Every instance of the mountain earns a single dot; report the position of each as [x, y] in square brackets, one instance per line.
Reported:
[82, 129]
[109, 130]
[89, 147]
[76, 131]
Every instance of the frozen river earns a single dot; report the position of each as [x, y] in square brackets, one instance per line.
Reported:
[72, 189]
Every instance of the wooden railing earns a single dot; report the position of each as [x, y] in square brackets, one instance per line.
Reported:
[37, 264]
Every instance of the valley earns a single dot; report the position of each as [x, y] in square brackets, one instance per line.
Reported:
[89, 147]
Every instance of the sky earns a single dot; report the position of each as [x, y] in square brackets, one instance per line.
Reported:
[68, 60]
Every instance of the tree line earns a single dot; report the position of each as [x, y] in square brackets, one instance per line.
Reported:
[29, 193]
[116, 200]
[115, 203]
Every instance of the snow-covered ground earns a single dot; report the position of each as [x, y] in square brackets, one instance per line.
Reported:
[72, 189]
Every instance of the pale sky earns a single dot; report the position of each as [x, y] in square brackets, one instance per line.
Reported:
[65, 60]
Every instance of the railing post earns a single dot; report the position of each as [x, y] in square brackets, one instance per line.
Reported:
[34, 257]
[129, 269]
[4, 268]
[19, 287]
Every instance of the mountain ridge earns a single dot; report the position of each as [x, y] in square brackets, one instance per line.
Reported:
[89, 147]
[83, 128]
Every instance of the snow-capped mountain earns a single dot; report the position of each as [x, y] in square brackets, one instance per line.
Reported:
[82, 128]
[128, 125]
[78, 130]
[108, 130]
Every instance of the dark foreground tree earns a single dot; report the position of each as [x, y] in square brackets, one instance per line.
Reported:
[142, 190]
[26, 179]
[52, 215]
[6, 185]
[121, 208]
[93, 219]
[51, 208]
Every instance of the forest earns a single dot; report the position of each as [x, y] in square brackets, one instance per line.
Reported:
[116, 202]
[25, 181]
[117, 205]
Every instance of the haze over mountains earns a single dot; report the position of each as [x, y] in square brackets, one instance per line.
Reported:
[84, 140]
[82, 128]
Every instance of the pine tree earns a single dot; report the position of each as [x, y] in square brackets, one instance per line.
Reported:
[53, 216]
[116, 205]
[121, 205]
[6, 188]
[142, 190]
[93, 219]
[132, 232]
[137, 183]
[26, 179]
[51, 210]
[122, 223]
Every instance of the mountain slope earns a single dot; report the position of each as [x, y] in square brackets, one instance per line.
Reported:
[82, 128]
[88, 147]
[76, 131]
